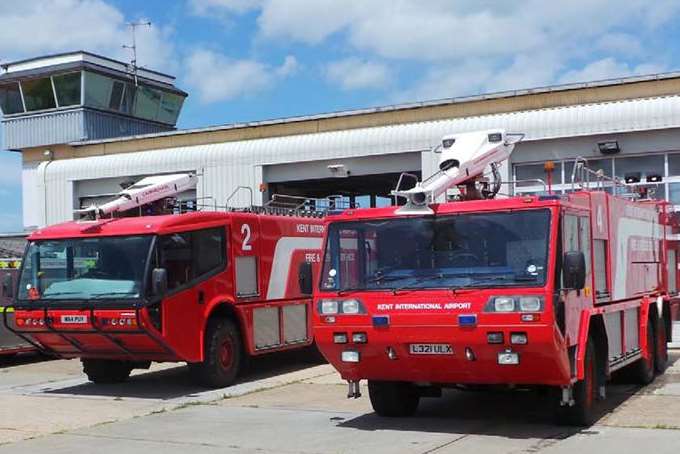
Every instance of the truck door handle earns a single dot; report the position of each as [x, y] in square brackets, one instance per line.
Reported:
[201, 297]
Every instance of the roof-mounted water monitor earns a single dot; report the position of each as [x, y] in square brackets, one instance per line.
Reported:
[463, 160]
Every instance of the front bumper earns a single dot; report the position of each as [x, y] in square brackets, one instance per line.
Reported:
[385, 356]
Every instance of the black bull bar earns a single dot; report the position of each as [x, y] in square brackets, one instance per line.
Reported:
[96, 331]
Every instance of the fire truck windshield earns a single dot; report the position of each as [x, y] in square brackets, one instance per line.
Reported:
[85, 269]
[451, 251]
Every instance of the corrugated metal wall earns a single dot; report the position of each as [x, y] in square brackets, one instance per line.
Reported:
[44, 129]
[228, 165]
[59, 127]
[103, 125]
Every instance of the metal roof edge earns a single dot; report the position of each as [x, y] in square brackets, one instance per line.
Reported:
[397, 107]
[180, 132]
[84, 52]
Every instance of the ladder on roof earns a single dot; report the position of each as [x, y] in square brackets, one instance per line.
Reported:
[582, 176]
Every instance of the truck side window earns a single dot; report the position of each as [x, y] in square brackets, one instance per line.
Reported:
[189, 255]
[176, 258]
[209, 251]
[600, 268]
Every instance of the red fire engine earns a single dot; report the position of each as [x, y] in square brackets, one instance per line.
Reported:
[553, 291]
[207, 288]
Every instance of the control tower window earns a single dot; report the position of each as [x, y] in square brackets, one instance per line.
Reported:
[10, 99]
[97, 90]
[147, 103]
[67, 87]
[170, 107]
[38, 94]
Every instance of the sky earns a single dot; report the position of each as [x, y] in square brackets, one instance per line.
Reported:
[243, 60]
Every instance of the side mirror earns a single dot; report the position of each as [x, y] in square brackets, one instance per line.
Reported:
[7, 286]
[305, 278]
[574, 265]
[159, 281]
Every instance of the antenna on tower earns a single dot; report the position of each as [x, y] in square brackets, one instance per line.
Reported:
[133, 63]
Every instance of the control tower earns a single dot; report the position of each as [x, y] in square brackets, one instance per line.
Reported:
[79, 96]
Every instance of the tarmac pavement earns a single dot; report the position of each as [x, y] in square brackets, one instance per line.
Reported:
[286, 406]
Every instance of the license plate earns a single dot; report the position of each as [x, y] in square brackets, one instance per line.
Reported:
[73, 319]
[430, 349]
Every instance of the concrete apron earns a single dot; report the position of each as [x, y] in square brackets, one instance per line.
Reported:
[54, 397]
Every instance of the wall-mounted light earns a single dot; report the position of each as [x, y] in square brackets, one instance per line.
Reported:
[609, 147]
[633, 177]
[654, 178]
[49, 154]
[338, 170]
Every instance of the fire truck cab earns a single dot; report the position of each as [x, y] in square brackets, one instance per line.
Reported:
[554, 291]
[206, 288]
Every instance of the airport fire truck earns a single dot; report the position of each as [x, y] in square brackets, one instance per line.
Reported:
[549, 291]
[10, 343]
[209, 288]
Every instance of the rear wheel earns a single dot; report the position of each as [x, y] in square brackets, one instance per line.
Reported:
[223, 355]
[103, 371]
[582, 413]
[393, 399]
[643, 369]
[661, 347]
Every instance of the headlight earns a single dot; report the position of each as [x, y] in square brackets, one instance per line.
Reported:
[333, 307]
[351, 307]
[529, 303]
[514, 304]
[504, 304]
[328, 307]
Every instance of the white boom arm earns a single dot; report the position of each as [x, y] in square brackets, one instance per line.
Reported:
[146, 190]
[464, 157]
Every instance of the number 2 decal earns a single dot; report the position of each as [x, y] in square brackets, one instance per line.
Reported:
[245, 231]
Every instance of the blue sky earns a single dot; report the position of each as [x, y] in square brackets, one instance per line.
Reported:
[246, 60]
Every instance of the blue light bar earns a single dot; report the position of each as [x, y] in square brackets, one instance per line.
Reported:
[467, 320]
[381, 320]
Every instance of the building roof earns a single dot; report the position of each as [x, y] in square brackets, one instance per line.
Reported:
[49, 63]
[617, 82]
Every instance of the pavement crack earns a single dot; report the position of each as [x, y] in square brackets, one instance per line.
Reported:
[445, 445]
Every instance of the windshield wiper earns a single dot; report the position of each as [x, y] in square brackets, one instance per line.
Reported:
[480, 280]
[418, 280]
[47, 295]
[95, 295]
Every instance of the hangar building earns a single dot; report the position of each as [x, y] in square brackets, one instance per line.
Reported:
[86, 125]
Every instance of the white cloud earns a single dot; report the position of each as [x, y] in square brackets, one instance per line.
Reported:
[306, 21]
[30, 28]
[216, 77]
[511, 44]
[289, 67]
[620, 43]
[354, 73]
[608, 68]
[208, 7]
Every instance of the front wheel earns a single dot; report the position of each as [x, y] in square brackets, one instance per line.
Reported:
[393, 399]
[223, 355]
[644, 368]
[582, 413]
[105, 371]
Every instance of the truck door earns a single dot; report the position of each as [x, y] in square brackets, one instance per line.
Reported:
[192, 260]
[576, 236]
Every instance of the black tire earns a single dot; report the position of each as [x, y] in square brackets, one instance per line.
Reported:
[223, 355]
[660, 347]
[106, 371]
[643, 369]
[393, 399]
[583, 412]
